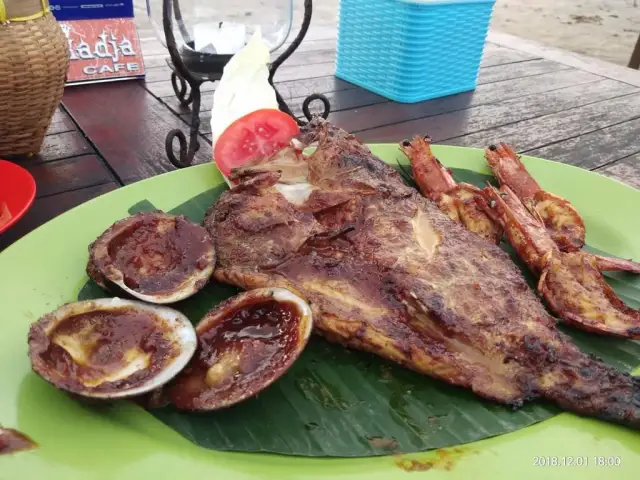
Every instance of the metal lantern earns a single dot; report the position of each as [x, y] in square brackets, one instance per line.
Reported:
[203, 36]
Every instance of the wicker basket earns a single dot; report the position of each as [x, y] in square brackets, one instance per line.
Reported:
[34, 57]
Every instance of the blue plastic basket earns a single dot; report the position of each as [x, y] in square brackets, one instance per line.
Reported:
[410, 51]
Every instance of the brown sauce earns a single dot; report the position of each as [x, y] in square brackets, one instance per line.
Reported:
[156, 253]
[105, 337]
[12, 441]
[237, 356]
[447, 458]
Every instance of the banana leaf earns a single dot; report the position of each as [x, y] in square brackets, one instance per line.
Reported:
[343, 403]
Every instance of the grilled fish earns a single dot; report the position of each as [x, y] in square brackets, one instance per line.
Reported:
[385, 271]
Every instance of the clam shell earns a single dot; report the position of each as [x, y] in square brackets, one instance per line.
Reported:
[177, 330]
[103, 270]
[237, 392]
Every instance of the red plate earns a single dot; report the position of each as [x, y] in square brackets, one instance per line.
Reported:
[17, 191]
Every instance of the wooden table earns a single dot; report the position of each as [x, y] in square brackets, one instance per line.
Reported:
[547, 102]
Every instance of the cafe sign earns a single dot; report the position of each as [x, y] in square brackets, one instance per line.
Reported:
[102, 46]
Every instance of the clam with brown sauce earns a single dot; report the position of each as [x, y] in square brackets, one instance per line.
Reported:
[244, 345]
[110, 348]
[152, 256]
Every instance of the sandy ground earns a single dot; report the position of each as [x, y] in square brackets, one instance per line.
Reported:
[606, 29]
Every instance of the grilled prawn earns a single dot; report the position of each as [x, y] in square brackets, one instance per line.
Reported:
[462, 202]
[560, 218]
[570, 282]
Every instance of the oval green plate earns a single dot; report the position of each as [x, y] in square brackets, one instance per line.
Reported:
[46, 269]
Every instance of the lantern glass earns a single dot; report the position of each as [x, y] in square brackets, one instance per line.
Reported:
[223, 27]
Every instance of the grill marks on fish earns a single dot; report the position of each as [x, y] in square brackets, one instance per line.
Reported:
[387, 272]
[269, 220]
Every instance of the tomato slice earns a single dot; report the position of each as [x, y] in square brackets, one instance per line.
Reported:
[257, 134]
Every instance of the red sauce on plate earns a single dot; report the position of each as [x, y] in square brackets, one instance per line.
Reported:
[157, 253]
[237, 357]
[105, 337]
[12, 441]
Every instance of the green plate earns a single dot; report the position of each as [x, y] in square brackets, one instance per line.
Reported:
[46, 269]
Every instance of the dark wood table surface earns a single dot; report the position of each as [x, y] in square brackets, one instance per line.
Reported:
[546, 102]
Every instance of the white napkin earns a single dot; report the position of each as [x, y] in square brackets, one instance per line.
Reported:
[222, 38]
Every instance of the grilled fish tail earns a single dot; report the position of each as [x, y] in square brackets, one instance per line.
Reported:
[591, 388]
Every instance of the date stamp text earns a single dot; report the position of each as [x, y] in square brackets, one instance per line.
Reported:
[577, 461]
